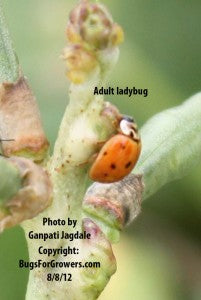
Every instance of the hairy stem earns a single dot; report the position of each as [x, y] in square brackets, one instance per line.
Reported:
[80, 130]
[91, 54]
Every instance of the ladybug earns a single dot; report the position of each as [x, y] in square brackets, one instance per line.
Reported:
[119, 154]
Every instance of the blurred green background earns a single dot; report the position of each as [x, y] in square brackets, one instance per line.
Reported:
[159, 256]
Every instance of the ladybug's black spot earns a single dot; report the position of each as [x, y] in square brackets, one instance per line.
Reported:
[128, 165]
[105, 153]
[113, 166]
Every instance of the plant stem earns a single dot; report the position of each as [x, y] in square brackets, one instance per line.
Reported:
[80, 130]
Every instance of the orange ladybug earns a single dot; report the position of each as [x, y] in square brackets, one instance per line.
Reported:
[119, 154]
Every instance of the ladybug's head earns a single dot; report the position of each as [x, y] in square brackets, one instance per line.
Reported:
[129, 128]
[128, 119]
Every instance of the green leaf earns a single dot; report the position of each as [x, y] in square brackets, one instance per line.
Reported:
[171, 143]
[10, 180]
[9, 68]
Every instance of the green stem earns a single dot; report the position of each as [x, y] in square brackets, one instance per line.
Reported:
[80, 130]
[9, 67]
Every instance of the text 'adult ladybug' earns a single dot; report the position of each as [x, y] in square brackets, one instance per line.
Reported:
[119, 154]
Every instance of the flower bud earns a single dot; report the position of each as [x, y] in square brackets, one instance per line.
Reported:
[91, 23]
[80, 63]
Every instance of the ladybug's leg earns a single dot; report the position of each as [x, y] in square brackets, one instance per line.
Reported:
[89, 161]
[92, 158]
[100, 144]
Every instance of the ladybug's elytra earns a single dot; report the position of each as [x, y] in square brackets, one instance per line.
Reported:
[119, 154]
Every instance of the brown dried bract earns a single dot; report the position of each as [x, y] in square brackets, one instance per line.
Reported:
[32, 198]
[117, 204]
[20, 121]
